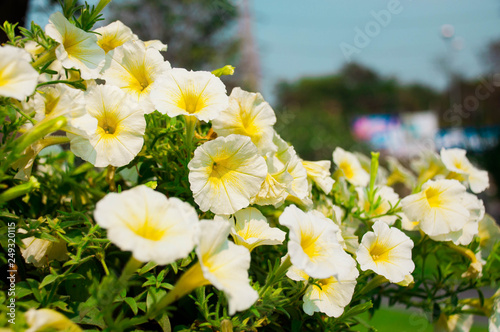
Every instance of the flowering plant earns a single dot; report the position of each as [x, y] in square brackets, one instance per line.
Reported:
[137, 196]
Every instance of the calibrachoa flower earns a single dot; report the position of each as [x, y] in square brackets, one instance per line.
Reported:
[330, 295]
[399, 174]
[152, 226]
[313, 245]
[465, 234]
[388, 199]
[39, 251]
[249, 115]
[18, 79]
[220, 263]
[494, 319]
[489, 234]
[225, 173]
[439, 207]
[134, 68]
[251, 229]
[286, 159]
[454, 323]
[195, 93]
[78, 49]
[319, 172]
[51, 102]
[44, 319]
[350, 168]
[462, 169]
[276, 186]
[113, 35]
[386, 251]
[120, 128]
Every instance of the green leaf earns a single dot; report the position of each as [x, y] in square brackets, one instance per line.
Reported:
[48, 280]
[148, 267]
[358, 309]
[226, 70]
[164, 323]
[132, 304]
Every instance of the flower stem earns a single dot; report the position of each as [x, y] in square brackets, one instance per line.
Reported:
[277, 275]
[190, 129]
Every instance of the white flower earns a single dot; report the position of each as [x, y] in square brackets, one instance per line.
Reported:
[489, 234]
[388, 199]
[330, 295]
[386, 251]
[455, 323]
[399, 174]
[51, 102]
[465, 234]
[350, 167]
[195, 93]
[120, 129]
[249, 115]
[44, 319]
[113, 35]
[134, 68]
[225, 173]
[457, 163]
[439, 207]
[251, 229]
[18, 79]
[319, 172]
[494, 319]
[220, 263]
[39, 251]
[146, 222]
[313, 245]
[286, 159]
[78, 49]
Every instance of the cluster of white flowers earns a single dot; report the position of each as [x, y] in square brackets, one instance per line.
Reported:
[247, 164]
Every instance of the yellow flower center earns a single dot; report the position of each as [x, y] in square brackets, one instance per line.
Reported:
[148, 231]
[51, 102]
[379, 253]
[192, 102]
[433, 197]
[220, 168]
[108, 125]
[248, 124]
[310, 245]
[346, 167]
[110, 42]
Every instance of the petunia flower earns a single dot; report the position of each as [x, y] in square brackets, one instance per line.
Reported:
[350, 168]
[225, 173]
[220, 263]
[285, 158]
[77, 48]
[146, 222]
[465, 234]
[463, 170]
[250, 115]
[330, 295]
[387, 199]
[113, 35]
[461, 322]
[313, 245]
[48, 319]
[438, 207]
[319, 172]
[18, 79]
[251, 229]
[120, 128]
[51, 102]
[134, 68]
[489, 234]
[399, 174]
[39, 251]
[387, 252]
[192, 93]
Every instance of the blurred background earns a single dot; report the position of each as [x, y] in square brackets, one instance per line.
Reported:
[397, 76]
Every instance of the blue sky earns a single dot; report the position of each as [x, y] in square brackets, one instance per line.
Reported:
[298, 37]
